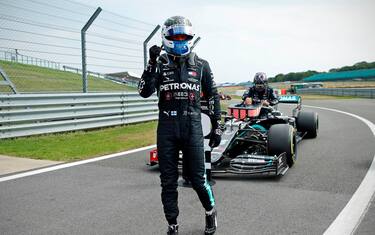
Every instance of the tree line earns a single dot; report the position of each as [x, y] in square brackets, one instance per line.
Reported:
[298, 76]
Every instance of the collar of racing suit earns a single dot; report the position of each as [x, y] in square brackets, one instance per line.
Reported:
[174, 61]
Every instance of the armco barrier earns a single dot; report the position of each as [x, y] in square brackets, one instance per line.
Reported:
[359, 92]
[31, 114]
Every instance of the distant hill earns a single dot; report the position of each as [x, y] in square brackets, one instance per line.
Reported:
[357, 66]
[31, 78]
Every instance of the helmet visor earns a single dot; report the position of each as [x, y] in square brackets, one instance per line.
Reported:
[179, 33]
[178, 37]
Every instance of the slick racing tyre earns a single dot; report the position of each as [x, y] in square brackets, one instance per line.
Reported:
[281, 138]
[308, 122]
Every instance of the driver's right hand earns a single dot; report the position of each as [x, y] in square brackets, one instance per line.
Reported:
[248, 101]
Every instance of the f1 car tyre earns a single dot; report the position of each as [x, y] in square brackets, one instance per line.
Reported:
[308, 122]
[281, 138]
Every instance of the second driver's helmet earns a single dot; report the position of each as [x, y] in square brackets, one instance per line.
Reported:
[177, 34]
[260, 81]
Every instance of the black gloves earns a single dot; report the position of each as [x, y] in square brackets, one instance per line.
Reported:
[154, 52]
[216, 133]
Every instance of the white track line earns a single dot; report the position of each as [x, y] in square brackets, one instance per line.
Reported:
[62, 166]
[352, 214]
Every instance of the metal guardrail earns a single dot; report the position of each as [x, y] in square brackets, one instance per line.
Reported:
[32, 114]
[359, 92]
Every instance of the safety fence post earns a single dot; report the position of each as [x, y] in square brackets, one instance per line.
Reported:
[83, 47]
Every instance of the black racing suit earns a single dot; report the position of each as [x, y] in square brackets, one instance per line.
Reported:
[179, 82]
[258, 96]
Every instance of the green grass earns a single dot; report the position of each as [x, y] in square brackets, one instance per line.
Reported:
[231, 89]
[236, 97]
[225, 103]
[236, 100]
[325, 97]
[337, 84]
[31, 78]
[80, 145]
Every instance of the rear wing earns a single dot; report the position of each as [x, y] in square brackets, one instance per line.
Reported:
[290, 99]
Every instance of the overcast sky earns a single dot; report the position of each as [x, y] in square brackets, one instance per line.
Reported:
[240, 38]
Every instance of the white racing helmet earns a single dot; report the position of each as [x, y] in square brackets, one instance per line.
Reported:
[177, 34]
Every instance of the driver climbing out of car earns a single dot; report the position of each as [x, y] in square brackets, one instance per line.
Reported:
[179, 76]
[260, 93]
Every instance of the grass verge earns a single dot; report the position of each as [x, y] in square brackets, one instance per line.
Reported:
[325, 97]
[80, 145]
[225, 103]
[336, 84]
[31, 78]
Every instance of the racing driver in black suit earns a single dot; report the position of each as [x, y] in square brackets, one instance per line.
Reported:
[260, 93]
[179, 77]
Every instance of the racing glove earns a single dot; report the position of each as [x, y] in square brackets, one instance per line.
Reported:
[216, 133]
[154, 52]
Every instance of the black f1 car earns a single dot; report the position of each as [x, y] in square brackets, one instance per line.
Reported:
[259, 140]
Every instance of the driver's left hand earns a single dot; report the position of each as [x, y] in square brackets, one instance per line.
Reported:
[216, 133]
[248, 101]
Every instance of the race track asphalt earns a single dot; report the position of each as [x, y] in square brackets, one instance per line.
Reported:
[122, 195]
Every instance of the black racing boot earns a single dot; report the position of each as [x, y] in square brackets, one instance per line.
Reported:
[172, 229]
[211, 222]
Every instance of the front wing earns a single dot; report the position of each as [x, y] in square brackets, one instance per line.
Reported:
[244, 164]
[255, 164]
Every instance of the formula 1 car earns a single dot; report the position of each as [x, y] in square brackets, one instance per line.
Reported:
[257, 139]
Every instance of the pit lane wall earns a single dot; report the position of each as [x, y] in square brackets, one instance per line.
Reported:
[357, 92]
[32, 114]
